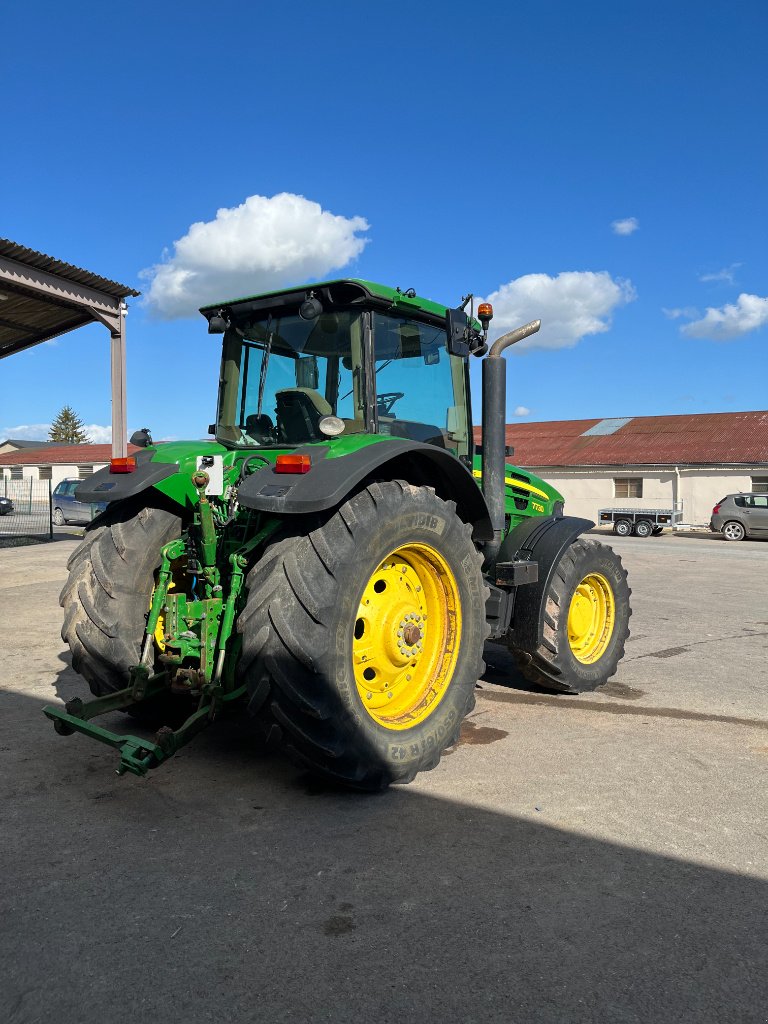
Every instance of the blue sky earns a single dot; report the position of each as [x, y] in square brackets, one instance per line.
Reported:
[500, 149]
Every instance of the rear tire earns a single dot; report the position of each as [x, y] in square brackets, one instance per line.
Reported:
[324, 630]
[106, 598]
[734, 531]
[622, 527]
[643, 528]
[586, 621]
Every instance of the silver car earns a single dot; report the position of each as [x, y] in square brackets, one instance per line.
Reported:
[737, 516]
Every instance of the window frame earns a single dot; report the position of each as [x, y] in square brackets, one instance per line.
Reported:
[629, 481]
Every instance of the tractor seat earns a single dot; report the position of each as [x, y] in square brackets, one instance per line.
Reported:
[259, 427]
[299, 411]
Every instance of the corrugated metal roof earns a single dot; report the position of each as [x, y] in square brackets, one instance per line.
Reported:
[39, 260]
[29, 316]
[67, 454]
[724, 438]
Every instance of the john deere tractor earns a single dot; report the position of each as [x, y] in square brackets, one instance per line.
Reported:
[334, 561]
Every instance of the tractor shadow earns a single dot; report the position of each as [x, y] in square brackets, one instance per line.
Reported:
[223, 887]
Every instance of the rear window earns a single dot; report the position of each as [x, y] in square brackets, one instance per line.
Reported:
[739, 500]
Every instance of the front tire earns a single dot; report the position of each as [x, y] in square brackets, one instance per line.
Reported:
[586, 621]
[622, 527]
[105, 599]
[58, 517]
[386, 597]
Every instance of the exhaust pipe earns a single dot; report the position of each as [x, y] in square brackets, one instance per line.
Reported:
[494, 431]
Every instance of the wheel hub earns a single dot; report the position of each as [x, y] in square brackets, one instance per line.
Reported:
[591, 618]
[403, 665]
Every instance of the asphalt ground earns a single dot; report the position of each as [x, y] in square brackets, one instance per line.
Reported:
[602, 858]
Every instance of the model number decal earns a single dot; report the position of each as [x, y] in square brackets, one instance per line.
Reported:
[537, 507]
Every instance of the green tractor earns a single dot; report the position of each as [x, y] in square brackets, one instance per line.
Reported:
[336, 559]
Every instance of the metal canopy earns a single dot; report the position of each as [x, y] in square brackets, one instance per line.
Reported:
[42, 297]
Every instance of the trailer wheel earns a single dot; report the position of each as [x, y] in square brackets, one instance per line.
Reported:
[643, 528]
[585, 621]
[622, 527]
[105, 599]
[362, 640]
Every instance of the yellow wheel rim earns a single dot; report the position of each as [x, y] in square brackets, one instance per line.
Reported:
[406, 636]
[591, 618]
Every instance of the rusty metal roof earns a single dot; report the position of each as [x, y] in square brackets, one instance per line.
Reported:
[721, 438]
[65, 454]
[29, 316]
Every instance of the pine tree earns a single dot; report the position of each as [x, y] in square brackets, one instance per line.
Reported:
[67, 428]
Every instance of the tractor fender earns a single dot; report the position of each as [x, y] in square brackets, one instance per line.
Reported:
[330, 481]
[542, 540]
[107, 486]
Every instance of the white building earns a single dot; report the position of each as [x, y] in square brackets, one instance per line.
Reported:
[52, 462]
[647, 461]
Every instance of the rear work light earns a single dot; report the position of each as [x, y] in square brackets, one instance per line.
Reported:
[127, 465]
[293, 464]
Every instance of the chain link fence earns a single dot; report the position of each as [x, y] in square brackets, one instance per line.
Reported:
[25, 508]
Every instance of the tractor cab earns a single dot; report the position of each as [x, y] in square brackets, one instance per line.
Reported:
[343, 358]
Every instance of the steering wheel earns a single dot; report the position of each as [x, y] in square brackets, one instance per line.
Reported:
[386, 400]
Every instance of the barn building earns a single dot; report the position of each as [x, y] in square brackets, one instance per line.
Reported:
[690, 461]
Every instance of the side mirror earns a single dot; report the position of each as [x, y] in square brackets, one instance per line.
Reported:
[457, 323]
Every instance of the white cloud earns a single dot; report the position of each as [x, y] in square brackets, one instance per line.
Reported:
[99, 435]
[570, 306]
[262, 245]
[687, 311]
[627, 226]
[39, 432]
[521, 410]
[730, 321]
[726, 275]
[26, 432]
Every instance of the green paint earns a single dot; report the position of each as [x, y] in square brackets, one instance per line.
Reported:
[405, 304]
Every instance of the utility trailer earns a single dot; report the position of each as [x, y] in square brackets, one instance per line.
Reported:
[642, 522]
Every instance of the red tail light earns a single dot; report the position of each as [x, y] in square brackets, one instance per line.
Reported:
[293, 464]
[715, 510]
[127, 465]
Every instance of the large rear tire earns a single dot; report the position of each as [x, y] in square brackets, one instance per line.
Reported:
[106, 598]
[586, 621]
[363, 639]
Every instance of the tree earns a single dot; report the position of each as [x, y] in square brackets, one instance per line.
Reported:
[67, 428]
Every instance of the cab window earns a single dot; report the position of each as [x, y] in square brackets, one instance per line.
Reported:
[420, 388]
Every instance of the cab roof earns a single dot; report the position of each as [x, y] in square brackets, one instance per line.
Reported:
[339, 292]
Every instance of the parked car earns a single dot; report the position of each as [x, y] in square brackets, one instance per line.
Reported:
[65, 508]
[737, 516]
[6, 506]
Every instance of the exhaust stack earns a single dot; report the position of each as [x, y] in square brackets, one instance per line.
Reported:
[494, 430]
